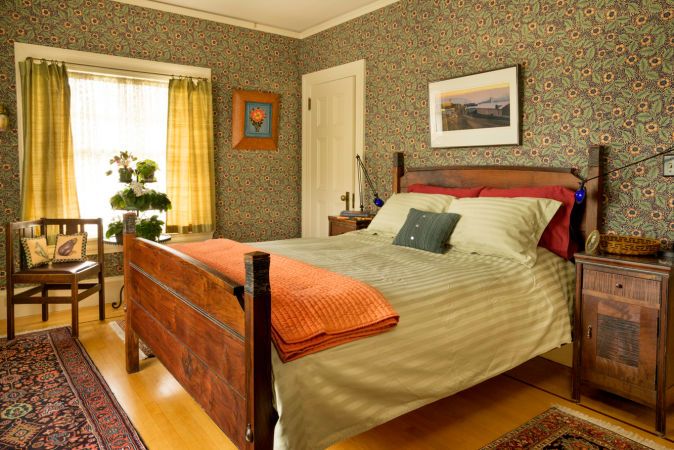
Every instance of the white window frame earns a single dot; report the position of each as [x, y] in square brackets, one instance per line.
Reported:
[107, 65]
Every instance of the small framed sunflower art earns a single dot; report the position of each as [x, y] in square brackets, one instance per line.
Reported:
[255, 118]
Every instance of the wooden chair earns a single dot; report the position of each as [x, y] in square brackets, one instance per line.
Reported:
[55, 276]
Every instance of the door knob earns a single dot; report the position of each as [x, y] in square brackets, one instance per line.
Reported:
[589, 331]
[345, 198]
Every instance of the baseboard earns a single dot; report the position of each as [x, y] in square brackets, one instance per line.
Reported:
[112, 288]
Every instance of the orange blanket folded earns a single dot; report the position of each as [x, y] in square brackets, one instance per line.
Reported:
[312, 308]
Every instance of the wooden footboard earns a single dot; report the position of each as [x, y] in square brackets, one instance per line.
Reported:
[212, 334]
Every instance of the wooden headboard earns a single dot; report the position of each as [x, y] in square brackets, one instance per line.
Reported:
[585, 216]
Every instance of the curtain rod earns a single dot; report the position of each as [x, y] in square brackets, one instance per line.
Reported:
[120, 69]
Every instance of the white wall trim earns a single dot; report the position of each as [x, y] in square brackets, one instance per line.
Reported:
[345, 18]
[257, 26]
[354, 69]
[211, 16]
[112, 287]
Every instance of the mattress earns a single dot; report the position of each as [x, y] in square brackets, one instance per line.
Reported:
[464, 318]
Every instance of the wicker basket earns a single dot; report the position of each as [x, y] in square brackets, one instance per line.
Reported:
[628, 245]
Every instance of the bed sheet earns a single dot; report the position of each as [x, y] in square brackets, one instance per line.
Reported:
[464, 318]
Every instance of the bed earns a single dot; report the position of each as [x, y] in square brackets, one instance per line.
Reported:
[213, 334]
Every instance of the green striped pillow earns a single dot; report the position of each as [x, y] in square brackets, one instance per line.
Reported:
[425, 230]
[505, 227]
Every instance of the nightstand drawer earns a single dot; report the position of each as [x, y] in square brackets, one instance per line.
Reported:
[341, 225]
[634, 288]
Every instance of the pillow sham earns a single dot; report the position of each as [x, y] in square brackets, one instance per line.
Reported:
[71, 247]
[35, 251]
[557, 235]
[453, 191]
[393, 214]
[425, 230]
[505, 227]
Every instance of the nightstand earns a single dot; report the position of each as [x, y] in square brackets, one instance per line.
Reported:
[340, 225]
[624, 329]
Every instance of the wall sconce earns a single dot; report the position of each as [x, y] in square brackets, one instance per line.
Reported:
[4, 119]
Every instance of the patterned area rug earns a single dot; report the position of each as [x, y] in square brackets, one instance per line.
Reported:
[561, 428]
[119, 327]
[52, 396]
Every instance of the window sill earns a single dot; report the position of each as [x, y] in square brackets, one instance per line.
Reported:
[189, 237]
[92, 246]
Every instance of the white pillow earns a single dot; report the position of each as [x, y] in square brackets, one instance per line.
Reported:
[393, 214]
[505, 227]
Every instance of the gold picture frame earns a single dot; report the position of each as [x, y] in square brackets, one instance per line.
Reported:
[255, 119]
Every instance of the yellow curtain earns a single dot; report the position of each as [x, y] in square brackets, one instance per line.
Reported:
[190, 181]
[48, 176]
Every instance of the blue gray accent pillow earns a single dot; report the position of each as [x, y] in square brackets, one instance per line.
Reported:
[425, 230]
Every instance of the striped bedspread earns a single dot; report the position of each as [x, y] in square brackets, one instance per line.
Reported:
[464, 318]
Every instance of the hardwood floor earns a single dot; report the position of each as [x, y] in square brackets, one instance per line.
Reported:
[167, 417]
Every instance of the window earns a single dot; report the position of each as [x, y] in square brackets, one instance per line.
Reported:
[116, 104]
[110, 114]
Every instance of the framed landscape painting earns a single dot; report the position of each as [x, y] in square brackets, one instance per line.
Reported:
[255, 118]
[475, 110]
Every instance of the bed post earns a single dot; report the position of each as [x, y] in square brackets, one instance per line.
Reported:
[259, 408]
[593, 201]
[130, 337]
[398, 170]
[594, 188]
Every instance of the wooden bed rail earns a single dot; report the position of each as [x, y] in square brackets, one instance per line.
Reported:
[211, 333]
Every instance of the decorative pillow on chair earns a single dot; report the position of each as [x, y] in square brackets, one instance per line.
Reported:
[35, 251]
[425, 230]
[71, 247]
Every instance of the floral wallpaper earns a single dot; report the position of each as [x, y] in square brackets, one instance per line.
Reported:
[594, 71]
[591, 72]
[257, 192]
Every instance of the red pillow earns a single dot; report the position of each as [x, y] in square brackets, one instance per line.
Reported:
[556, 236]
[456, 192]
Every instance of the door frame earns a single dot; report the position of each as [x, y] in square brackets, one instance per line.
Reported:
[354, 69]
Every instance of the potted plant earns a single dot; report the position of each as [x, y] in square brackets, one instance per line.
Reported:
[134, 196]
[123, 162]
[115, 229]
[131, 199]
[149, 228]
[145, 171]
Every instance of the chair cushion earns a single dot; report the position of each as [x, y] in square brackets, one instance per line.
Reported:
[63, 268]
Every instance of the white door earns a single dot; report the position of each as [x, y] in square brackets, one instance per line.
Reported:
[331, 137]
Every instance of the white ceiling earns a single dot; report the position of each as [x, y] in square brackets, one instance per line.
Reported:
[296, 18]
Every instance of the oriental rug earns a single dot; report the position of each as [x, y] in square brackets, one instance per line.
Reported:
[53, 397]
[561, 428]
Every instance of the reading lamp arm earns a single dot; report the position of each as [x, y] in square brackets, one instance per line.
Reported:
[580, 193]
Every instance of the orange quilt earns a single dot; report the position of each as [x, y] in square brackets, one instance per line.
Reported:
[312, 308]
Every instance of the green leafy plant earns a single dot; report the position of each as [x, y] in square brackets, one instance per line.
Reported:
[149, 228]
[115, 228]
[129, 200]
[145, 170]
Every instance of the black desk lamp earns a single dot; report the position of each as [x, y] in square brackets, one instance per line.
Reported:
[580, 193]
[362, 173]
